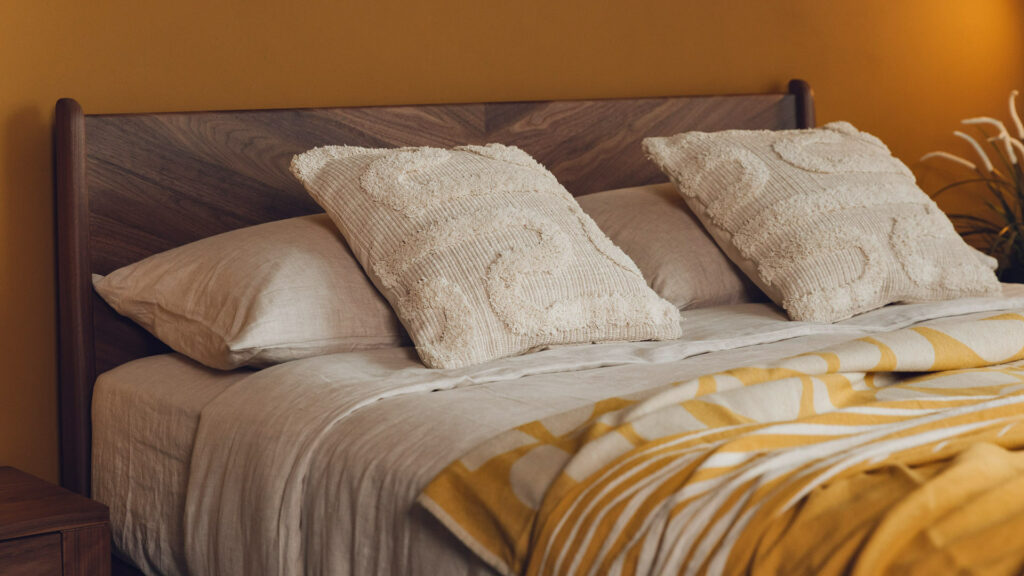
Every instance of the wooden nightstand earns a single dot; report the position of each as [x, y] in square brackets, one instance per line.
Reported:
[45, 529]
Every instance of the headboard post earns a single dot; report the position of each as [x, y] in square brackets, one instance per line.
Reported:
[801, 90]
[74, 297]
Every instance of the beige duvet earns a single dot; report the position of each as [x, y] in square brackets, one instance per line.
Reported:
[314, 466]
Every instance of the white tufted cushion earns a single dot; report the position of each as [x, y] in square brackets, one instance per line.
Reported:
[826, 221]
[481, 252]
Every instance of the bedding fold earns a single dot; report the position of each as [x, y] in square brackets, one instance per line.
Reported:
[743, 470]
[314, 466]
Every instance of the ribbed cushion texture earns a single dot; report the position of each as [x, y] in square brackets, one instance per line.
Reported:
[481, 252]
[678, 258]
[256, 296]
[826, 221]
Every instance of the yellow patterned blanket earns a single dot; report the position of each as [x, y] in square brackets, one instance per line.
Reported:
[896, 453]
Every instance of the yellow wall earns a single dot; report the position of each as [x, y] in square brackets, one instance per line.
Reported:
[905, 70]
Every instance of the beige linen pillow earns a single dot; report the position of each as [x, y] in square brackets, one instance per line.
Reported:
[826, 221]
[259, 295]
[481, 251]
[681, 262]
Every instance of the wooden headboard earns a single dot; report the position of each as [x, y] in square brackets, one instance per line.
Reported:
[132, 185]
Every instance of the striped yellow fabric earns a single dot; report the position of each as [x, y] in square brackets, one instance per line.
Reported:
[889, 454]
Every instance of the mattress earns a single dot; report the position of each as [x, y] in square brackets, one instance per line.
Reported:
[314, 466]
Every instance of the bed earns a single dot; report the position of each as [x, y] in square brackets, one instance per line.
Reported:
[345, 497]
[129, 186]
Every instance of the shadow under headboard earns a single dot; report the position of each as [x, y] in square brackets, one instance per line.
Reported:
[132, 185]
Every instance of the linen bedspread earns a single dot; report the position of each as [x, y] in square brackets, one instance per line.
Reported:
[893, 453]
[314, 466]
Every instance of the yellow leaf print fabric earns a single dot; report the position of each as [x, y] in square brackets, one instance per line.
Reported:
[891, 454]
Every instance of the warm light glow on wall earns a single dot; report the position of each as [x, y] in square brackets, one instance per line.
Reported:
[970, 59]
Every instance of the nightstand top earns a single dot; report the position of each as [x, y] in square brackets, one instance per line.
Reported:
[29, 505]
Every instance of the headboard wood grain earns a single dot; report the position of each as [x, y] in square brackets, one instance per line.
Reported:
[132, 185]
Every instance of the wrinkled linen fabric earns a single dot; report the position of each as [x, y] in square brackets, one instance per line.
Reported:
[717, 474]
[313, 467]
[365, 474]
[679, 259]
[256, 296]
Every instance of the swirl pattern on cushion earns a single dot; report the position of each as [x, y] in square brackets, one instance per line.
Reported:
[481, 252]
[826, 221]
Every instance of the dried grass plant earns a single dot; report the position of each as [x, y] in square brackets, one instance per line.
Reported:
[999, 177]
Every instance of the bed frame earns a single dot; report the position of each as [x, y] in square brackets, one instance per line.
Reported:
[132, 185]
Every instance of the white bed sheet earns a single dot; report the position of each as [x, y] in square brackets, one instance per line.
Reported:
[314, 466]
[145, 416]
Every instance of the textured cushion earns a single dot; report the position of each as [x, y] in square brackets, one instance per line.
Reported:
[260, 295]
[826, 221]
[481, 252]
[679, 259]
